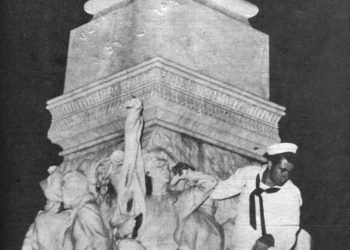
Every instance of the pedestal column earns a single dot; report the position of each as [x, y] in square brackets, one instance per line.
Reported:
[199, 68]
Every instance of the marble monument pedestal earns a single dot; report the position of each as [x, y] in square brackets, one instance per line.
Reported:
[200, 70]
[199, 120]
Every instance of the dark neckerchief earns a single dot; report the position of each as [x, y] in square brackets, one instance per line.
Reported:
[252, 213]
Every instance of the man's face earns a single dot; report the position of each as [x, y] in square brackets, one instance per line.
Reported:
[70, 194]
[281, 172]
[67, 195]
[158, 169]
[115, 173]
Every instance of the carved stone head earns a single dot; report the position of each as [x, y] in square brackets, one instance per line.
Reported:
[75, 187]
[51, 186]
[157, 166]
[103, 174]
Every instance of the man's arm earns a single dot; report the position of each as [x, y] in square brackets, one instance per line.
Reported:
[230, 187]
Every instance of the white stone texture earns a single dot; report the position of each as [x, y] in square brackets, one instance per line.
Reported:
[94, 7]
[174, 97]
[207, 158]
[200, 71]
[235, 8]
[184, 31]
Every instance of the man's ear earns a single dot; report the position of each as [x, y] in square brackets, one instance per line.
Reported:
[269, 165]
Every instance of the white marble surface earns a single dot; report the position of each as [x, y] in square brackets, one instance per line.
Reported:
[174, 97]
[202, 74]
[185, 32]
[238, 8]
[94, 7]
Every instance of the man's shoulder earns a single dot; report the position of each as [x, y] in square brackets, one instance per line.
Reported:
[293, 191]
[91, 205]
[290, 186]
[90, 214]
[251, 170]
[89, 209]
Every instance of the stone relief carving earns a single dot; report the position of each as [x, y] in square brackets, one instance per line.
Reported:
[177, 213]
[48, 229]
[171, 221]
[204, 157]
[87, 229]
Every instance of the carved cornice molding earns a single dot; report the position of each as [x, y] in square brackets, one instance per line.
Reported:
[85, 115]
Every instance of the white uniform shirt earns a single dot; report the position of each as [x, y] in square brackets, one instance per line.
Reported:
[281, 209]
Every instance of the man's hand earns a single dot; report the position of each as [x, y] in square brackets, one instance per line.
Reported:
[180, 171]
[264, 242]
[127, 228]
[260, 246]
[179, 167]
[133, 103]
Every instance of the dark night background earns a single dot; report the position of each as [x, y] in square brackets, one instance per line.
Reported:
[310, 76]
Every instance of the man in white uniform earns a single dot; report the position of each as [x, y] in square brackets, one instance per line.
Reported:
[269, 206]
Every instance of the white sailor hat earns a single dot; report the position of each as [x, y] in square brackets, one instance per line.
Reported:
[281, 148]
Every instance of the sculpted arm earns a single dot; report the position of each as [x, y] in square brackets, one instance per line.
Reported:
[132, 175]
[201, 185]
[230, 187]
[133, 127]
[89, 231]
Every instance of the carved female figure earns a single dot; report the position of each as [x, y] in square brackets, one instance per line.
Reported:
[47, 231]
[87, 230]
[167, 210]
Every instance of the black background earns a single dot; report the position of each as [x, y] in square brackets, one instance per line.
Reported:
[310, 76]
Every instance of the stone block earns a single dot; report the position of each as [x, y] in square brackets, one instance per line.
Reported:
[193, 34]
